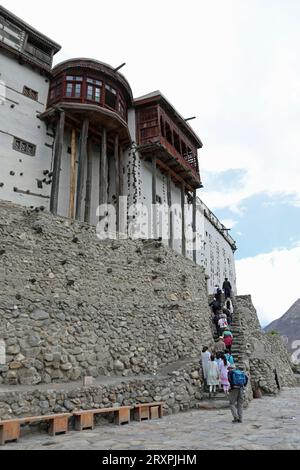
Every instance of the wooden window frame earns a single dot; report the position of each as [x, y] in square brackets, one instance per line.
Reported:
[74, 81]
[22, 146]
[95, 84]
[109, 87]
[30, 93]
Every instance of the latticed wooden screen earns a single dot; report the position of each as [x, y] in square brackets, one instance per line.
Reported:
[30, 93]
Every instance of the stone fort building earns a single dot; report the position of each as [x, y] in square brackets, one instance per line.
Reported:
[73, 137]
[132, 314]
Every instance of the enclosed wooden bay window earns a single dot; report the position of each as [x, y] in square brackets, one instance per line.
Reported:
[161, 130]
[87, 89]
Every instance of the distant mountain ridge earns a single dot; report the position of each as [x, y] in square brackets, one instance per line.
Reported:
[288, 325]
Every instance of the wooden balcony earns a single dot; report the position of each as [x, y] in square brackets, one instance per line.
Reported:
[162, 132]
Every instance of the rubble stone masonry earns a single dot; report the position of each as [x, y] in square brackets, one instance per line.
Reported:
[134, 313]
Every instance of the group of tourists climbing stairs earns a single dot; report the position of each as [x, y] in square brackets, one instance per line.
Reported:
[236, 353]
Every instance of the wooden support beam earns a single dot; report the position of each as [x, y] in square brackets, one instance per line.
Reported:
[195, 226]
[58, 148]
[176, 178]
[121, 159]
[154, 215]
[88, 192]
[183, 219]
[169, 197]
[117, 181]
[73, 175]
[103, 169]
[81, 165]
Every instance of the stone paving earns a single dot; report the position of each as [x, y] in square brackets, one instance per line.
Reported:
[269, 423]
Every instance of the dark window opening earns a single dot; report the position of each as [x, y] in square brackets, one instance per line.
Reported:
[176, 142]
[169, 134]
[184, 150]
[110, 97]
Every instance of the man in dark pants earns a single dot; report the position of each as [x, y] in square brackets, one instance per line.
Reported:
[238, 381]
[227, 288]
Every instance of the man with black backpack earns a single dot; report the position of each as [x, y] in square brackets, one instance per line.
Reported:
[238, 381]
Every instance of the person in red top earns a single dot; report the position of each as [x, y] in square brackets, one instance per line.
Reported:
[228, 340]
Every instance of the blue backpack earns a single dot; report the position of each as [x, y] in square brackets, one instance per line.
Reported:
[239, 378]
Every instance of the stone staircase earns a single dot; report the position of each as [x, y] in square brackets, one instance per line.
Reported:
[238, 349]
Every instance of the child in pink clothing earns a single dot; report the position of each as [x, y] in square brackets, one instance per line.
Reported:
[223, 368]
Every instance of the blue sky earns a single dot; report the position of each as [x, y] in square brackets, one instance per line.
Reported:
[265, 223]
[234, 64]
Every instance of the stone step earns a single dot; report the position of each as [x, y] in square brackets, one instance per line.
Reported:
[219, 397]
[213, 405]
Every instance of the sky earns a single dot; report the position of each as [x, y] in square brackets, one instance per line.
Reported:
[235, 65]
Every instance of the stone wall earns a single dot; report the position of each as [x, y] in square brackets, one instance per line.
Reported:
[265, 356]
[129, 313]
[180, 390]
[73, 306]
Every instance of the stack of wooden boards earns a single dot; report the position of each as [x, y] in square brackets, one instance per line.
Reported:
[10, 430]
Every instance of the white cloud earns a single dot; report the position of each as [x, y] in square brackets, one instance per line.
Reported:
[229, 223]
[273, 281]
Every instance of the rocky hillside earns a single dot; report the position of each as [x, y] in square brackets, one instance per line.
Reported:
[288, 325]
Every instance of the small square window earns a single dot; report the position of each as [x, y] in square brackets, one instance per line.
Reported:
[32, 94]
[24, 147]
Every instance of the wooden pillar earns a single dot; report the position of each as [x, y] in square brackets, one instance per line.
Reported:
[195, 226]
[117, 181]
[81, 164]
[73, 175]
[154, 219]
[170, 213]
[121, 159]
[103, 169]
[88, 192]
[183, 219]
[58, 148]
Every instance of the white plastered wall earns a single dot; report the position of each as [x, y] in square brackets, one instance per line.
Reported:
[19, 118]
